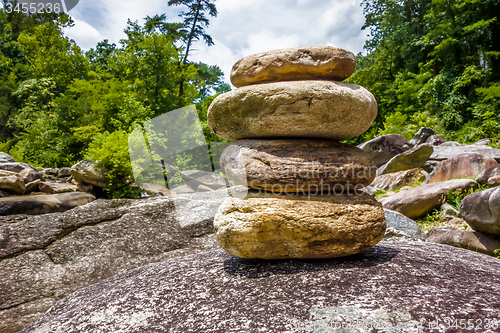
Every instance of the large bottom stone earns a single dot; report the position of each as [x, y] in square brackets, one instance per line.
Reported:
[269, 226]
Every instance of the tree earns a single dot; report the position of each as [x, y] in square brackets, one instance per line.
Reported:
[195, 21]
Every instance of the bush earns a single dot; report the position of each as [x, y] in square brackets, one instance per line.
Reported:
[111, 151]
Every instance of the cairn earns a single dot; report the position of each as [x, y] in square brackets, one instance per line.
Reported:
[287, 118]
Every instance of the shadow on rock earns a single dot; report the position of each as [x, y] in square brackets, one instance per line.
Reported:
[256, 268]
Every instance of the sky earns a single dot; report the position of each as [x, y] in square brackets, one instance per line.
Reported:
[242, 27]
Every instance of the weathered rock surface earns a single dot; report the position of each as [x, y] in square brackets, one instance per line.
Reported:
[466, 166]
[312, 109]
[482, 142]
[402, 286]
[43, 204]
[156, 189]
[421, 200]
[44, 258]
[481, 210]
[64, 172]
[448, 212]
[490, 176]
[290, 166]
[403, 224]
[15, 166]
[12, 184]
[85, 172]
[269, 226]
[410, 159]
[422, 135]
[451, 144]
[210, 179]
[469, 240]
[32, 186]
[51, 188]
[300, 63]
[445, 152]
[385, 147]
[393, 181]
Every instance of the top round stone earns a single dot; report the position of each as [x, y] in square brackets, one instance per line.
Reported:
[294, 64]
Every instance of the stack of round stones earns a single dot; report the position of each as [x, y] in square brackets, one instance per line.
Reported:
[305, 197]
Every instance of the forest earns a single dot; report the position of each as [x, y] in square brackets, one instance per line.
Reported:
[433, 63]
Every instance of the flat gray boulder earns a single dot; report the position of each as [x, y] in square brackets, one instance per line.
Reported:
[465, 239]
[422, 135]
[445, 152]
[398, 286]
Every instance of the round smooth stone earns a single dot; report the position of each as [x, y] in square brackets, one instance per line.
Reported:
[311, 109]
[294, 64]
[264, 226]
[298, 166]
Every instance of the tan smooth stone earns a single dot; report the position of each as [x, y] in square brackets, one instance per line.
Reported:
[293, 64]
[290, 166]
[312, 109]
[265, 226]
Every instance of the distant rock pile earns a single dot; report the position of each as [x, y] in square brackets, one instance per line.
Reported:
[287, 118]
[26, 190]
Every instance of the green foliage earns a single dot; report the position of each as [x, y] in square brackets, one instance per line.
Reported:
[111, 151]
[497, 253]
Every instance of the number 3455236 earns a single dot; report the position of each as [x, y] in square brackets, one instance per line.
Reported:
[34, 8]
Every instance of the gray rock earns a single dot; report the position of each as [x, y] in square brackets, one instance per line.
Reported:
[6, 158]
[404, 225]
[465, 239]
[482, 142]
[448, 212]
[450, 144]
[50, 171]
[481, 210]
[12, 184]
[51, 188]
[435, 140]
[490, 176]
[30, 175]
[385, 147]
[209, 179]
[421, 200]
[44, 258]
[422, 135]
[465, 166]
[430, 165]
[43, 204]
[393, 181]
[410, 159]
[32, 186]
[445, 152]
[85, 172]
[15, 166]
[64, 172]
[401, 285]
